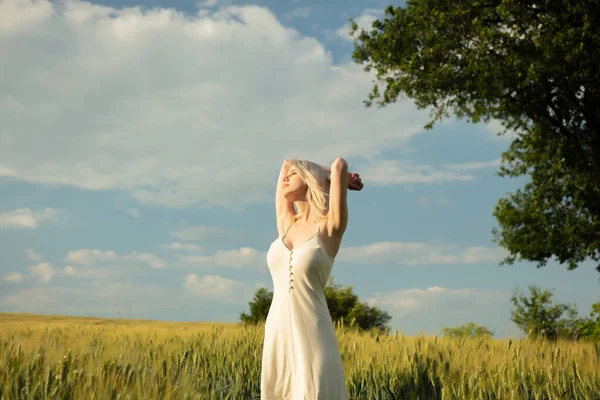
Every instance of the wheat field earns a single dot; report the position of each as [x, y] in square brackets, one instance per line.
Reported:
[48, 357]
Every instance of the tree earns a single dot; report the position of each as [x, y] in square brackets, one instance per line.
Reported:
[537, 316]
[259, 307]
[470, 330]
[342, 303]
[532, 66]
[589, 328]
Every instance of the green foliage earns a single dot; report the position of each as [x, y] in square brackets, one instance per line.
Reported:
[259, 307]
[589, 328]
[343, 305]
[533, 66]
[538, 316]
[470, 330]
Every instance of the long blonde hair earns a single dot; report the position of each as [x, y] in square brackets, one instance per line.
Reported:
[317, 194]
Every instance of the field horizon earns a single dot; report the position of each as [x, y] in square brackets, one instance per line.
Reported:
[53, 356]
[117, 320]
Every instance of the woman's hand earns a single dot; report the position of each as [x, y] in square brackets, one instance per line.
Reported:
[354, 181]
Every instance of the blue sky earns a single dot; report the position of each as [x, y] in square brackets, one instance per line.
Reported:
[140, 144]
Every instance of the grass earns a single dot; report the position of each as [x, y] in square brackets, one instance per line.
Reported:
[53, 357]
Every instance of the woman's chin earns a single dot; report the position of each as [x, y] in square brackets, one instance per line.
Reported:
[289, 196]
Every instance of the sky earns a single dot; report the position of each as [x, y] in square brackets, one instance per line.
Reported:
[140, 144]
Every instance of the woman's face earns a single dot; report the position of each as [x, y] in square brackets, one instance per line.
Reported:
[293, 185]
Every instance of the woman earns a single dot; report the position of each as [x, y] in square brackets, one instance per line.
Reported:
[301, 360]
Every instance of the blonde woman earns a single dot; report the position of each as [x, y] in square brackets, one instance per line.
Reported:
[301, 360]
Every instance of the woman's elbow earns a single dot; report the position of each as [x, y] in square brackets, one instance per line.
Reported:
[339, 163]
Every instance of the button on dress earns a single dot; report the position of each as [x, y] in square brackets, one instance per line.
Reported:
[301, 359]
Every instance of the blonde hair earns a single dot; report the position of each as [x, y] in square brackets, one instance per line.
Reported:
[317, 194]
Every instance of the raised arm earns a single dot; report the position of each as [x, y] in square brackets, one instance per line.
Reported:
[338, 194]
[284, 209]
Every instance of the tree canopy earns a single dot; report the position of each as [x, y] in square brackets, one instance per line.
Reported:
[343, 304]
[469, 330]
[589, 327]
[538, 316]
[259, 307]
[532, 66]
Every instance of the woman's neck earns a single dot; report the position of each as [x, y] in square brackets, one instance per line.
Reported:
[303, 217]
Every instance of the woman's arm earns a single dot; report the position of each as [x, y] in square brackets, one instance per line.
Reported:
[338, 194]
[354, 181]
[284, 209]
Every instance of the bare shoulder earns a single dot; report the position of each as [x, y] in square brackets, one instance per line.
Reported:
[329, 225]
[330, 237]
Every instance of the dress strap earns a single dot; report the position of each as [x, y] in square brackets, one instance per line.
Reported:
[286, 231]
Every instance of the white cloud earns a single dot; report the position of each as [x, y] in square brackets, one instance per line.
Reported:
[44, 272]
[92, 257]
[154, 261]
[17, 16]
[474, 165]
[242, 258]
[89, 272]
[393, 172]
[32, 255]
[192, 248]
[118, 299]
[411, 301]
[93, 298]
[400, 253]
[154, 98]
[14, 278]
[208, 3]
[480, 254]
[24, 217]
[494, 127]
[364, 21]
[418, 253]
[203, 232]
[217, 288]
